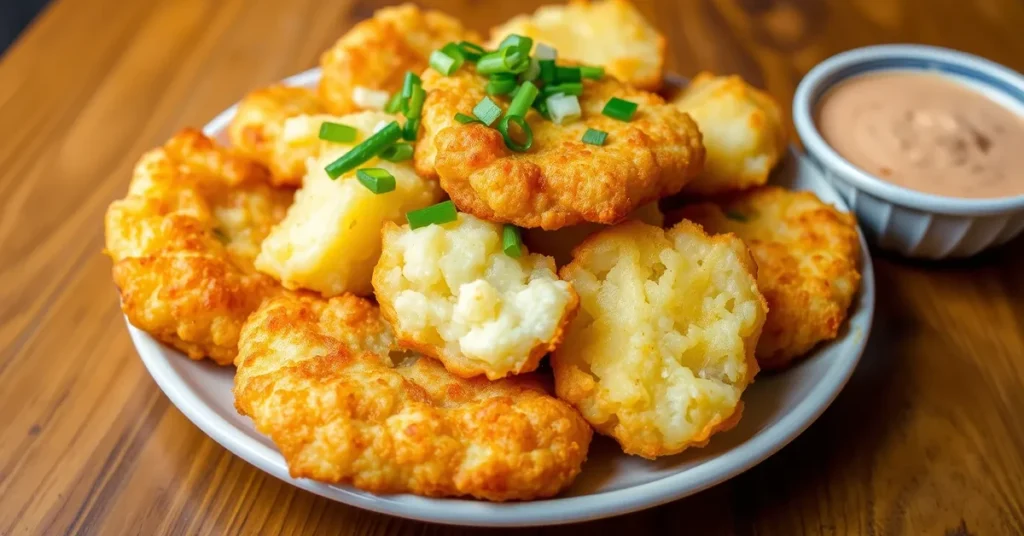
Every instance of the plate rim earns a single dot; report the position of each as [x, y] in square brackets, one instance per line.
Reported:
[553, 511]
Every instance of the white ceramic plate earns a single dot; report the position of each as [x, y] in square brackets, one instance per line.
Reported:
[778, 408]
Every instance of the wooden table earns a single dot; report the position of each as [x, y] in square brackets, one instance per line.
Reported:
[928, 438]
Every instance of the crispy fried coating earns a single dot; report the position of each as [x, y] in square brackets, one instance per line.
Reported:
[324, 381]
[376, 53]
[560, 243]
[560, 181]
[663, 344]
[183, 242]
[330, 240]
[257, 127]
[612, 33]
[743, 132]
[807, 254]
[452, 293]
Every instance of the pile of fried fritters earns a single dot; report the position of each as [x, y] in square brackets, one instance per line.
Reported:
[402, 358]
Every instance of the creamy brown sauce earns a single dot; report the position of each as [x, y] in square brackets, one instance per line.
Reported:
[925, 132]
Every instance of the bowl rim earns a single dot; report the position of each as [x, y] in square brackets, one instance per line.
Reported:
[821, 77]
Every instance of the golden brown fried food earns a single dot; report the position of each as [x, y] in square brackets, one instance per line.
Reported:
[560, 243]
[743, 132]
[807, 254]
[183, 242]
[663, 344]
[323, 379]
[560, 181]
[452, 293]
[376, 53]
[612, 33]
[257, 127]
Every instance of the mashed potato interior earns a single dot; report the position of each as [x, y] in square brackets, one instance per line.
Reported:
[452, 287]
[330, 239]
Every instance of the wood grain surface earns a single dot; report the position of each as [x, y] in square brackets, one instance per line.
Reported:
[928, 438]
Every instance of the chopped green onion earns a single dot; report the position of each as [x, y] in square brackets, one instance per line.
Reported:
[395, 104]
[443, 63]
[568, 88]
[471, 51]
[337, 132]
[414, 107]
[466, 119]
[369, 148]
[521, 103]
[501, 84]
[397, 153]
[442, 212]
[541, 105]
[411, 80]
[506, 60]
[487, 111]
[564, 108]
[592, 72]
[511, 241]
[736, 215]
[376, 180]
[411, 129]
[620, 109]
[453, 50]
[510, 142]
[544, 52]
[521, 43]
[594, 136]
[548, 71]
[568, 74]
[532, 71]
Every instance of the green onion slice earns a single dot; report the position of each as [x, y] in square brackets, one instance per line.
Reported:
[376, 180]
[620, 109]
[414, 107]
[411, 129]
[506, 60]
[594, 136]
[466, 119]
[548, 71]
[592, 72]
[411, 80]
[532, 71]
[510, 142]
[398, 152]
[369, 148]
[442, 212]
[395, 104]
[564, 108]
[521, 103]
[568, 74]
[501, 84]
[521, 43]
[541, 105]
[568, 88]
[471, 51]
[443, 63]
[487, 111]
[337, 132]
[511, 241]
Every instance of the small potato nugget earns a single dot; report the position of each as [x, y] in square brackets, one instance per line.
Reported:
[330, 239]
[807, 254]
[663, 344]
[560, 243]
[183, 242]
[450, 292]
[376, 53]
[611, 33]
[743, 133]
[323, 379]
[258, 124]
[560, 181]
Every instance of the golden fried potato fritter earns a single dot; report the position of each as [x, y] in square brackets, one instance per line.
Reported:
[323, 380]
[183, 243]
[560, 181]
[807, 254]
[611, 33]
[257, 127]
[743, 133]
[662, 346]
[376, 53]
[560, 242]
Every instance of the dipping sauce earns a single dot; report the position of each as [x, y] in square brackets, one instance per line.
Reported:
[925, 132]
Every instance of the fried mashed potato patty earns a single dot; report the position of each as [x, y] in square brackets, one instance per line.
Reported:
[743, 132]
[324, 380]
[560, 181]
[663, 344]
[451, 292]
[611, 33]
[330, 240]
[376, 53]
[256, 130]
[560, 243]
[807, 254]
[183, 241]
